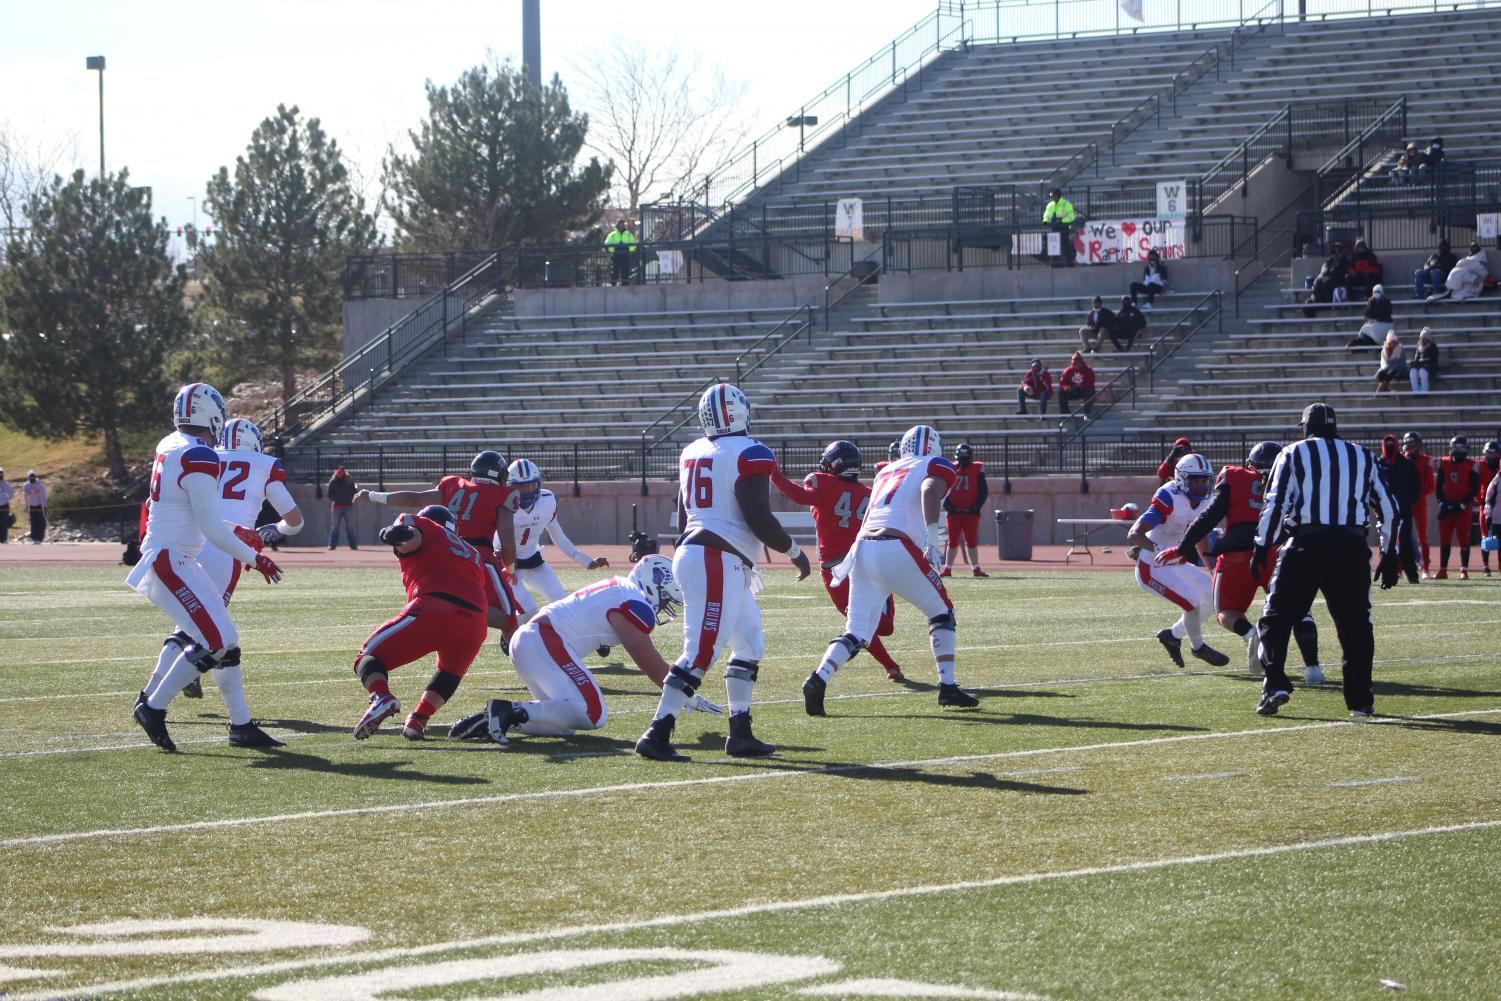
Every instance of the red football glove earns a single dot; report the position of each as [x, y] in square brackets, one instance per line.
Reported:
[1171, 556]
[267, 568]
[250, 537]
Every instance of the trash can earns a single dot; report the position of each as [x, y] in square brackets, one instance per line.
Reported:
[1015, 531]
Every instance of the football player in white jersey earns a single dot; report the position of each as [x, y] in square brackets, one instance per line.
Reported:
[724, 506]
[537, 512]
[248, 478]
[1160, 527]
[548, 653]
[899, 552]
[184, 512]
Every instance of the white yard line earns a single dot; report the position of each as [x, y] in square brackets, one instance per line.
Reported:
[758, 776]
[1202, 777]
[1393, 780]
[640, 922]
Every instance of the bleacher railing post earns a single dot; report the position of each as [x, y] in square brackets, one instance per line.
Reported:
[380, 465]
[576, 490]
[1006, 460]
[1083, 464]
[643, 464]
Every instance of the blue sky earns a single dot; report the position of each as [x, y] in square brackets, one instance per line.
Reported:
[186, 83]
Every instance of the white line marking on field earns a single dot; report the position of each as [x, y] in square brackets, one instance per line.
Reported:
[1393, 780]
[1202, 777]
[639, 922]
[146, 745]
[886, 988]
[758, 776]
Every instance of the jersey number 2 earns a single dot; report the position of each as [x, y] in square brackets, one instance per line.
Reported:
[239, 472]
[700, 492]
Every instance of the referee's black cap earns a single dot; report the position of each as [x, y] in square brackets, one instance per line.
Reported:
[1318, 421]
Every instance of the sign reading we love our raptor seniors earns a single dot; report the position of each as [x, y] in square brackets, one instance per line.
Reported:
[1123, 241]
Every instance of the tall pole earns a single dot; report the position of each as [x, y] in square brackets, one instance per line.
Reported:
[97, 63]
[531, 41]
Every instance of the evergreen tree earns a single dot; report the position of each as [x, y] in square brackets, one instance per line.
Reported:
[92, 306]
[494, 165]
[285, 219]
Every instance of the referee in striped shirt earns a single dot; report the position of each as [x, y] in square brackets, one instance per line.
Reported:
[1317, 499]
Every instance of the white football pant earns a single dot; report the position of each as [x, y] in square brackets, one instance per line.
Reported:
[887, 566]
[567, 698]
[1185, 585]
[183, 589]
[542, 580]
[718, 607]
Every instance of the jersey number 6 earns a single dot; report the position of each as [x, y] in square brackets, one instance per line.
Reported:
[700, 483]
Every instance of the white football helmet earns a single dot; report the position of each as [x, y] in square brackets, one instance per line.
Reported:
[199, 405]
[524, 475]
[921, 440]
[241, 435]
[1194, 476]
[723, 409]
[653, 577]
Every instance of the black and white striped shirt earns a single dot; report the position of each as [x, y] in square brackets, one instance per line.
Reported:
[1327, 482]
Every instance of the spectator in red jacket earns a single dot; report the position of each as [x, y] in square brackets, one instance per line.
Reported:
[1365, 269]
[1036, 384]
[1181, 447]
[1076, 383]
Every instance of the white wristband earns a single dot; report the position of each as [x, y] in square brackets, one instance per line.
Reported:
[794, 550]
[933, 535]
[289, 530]
[378, 496]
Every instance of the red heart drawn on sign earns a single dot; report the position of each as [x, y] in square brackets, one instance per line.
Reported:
[1128, 228]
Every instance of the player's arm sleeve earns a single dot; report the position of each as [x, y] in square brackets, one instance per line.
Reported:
[798, 493]
[565, 545]
[1157, 511]
[983, 494]
[281, 499]
[1213, 513]
[203, 493]
[1275, 501]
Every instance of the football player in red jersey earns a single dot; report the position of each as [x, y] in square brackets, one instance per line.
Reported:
[1412, 447]
[1458, 482]
[444, 614]
[1237, 502]
[893, 453]
[483, 507]
[963, 507]
[839, 500]
[1490, 463]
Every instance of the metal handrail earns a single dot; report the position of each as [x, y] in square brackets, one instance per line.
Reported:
[377, 361]
[1081, 420]
[1154, 361]
[806, 325]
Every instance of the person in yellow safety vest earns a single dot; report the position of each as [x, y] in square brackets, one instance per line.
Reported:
[621, 243]
[1060, 215]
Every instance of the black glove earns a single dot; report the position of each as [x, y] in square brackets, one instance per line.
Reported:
[1388, 570]
[947, 507]
[1259, 556]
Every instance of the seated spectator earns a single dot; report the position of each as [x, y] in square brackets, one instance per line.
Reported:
[1129, 323]
[1378, 320]
[1169, 466]
[1407, 165]
[1433, 159]
[1153, 279]
[1393, 363]
[1332, 275]
[1430, 277]
[1036, 384]
[1076, 383]
[1467, 279]
[1099, 323]
[1424, 363]
[1365, 269]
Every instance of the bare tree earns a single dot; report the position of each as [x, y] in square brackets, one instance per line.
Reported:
[662, 117]
[26, 167]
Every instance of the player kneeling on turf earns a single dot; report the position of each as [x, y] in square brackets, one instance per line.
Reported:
[904, 504]
[1175, 574]
[548, 654]
[444, 614]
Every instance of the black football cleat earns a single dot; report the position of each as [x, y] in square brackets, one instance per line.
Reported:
[500, 716]
[741, 743]
[1272, 701]
[603, 650]
[953, 695]
[154, 722]
[250, 735]
[470, 727]
[813, 690]
[193, 689]
[656, 742]
[1210, 656]
[1173, 645]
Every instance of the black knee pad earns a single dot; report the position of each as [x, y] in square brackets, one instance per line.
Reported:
[946, 621]
[444, 684]
[745, 670]
[368, 667]
[231, 657]
[851, 643]
[200, 658]
[1306, 629]
[684, 680]
[178, 639]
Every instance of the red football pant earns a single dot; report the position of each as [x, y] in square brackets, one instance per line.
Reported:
[964, 529]
[1420, 522]
[429, 625]
[499, 590]
[1233, 587]
[841, 597]
[1454, 528]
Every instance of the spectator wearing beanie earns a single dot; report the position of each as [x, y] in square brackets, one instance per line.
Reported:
[1424, 368]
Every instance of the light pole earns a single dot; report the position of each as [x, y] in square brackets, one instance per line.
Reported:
[97, 63]
[193, 201]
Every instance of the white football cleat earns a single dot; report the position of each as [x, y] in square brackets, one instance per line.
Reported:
[382, 708]
[1253, 652]
[1313, 675]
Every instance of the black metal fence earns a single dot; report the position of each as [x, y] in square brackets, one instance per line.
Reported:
[678, 261]
[404, 276]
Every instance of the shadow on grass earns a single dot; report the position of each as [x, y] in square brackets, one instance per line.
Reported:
[908, 773]
[1395, 688]
[284, 759]
[1035, 719]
